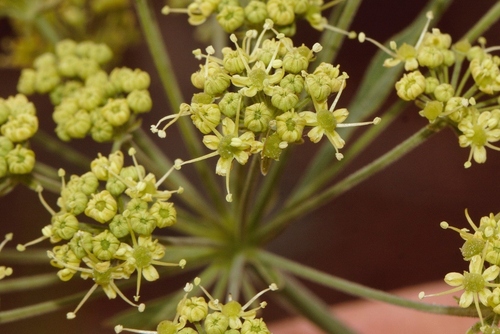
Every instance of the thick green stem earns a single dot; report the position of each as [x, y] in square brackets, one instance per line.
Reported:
[312, 307]
[355, 289]
[486, 21]
[290, 213]
[71, 155]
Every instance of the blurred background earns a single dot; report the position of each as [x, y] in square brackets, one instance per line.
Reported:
[384, 233]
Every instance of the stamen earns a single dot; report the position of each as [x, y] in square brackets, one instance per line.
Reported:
[39, 190]
[72, 315]
[362, 38]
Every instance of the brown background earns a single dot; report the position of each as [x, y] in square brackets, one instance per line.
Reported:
[384, 233]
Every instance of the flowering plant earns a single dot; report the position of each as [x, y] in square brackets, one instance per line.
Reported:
[205, 186]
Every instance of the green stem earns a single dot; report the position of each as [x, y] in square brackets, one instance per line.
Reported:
[355, 289]
[50, 144]
[484, 23]
[332, 41]
[312, 307]
[28, 283]
[47, 177]
[46, 29]
[290, 213]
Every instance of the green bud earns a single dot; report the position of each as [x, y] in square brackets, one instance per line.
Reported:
[115, 186]
[256, 12]
[231, 17]
[194, 309]
[46, 80]
[65, 225]
[205, 117]
[101, 131]
[281, 12]
[75, 201]
[5, 146]
[102, 207]
[254, 326]
[105, 245]
[81, 244]
[293, 82]
[88, 183]
[90, 97]
[430, 84]
[119, 226]
[165, 214]
[26, 83]
[283, 99]
[234, 61]
[20, 160]
[257, 117]
[45, 60]
[290, 126]
[116, 111]
[78, 125]
[431, 57]
[101, 53]
[65, 47]
[135, 80]
[444, 92]
[410, 86]
[216, 82]
[68, 66]
[229, 104]
[216, 323]
[137, 205]
[318, 87]
[142, 223]
[67, 90]
[139, 101]
[295, 62]
[20, 128]
[87, 68]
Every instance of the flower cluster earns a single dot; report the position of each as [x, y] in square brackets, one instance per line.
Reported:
[237, 15]
[18, 123]
[458, 83]
[482, 250]
[104, 225]
[111, 22]
[212, 317]
[256, 93]
[88, 101]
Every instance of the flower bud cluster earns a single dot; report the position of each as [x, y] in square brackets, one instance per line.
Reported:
[196, 315]
[87, 100]
[458, 83]
[18, 123]
[105, 222]
[110, 21]
[235, 15]
[481, 249]
[252, 100]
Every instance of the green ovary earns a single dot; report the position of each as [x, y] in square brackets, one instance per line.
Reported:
[326, 120]
[473, 282]
[142, 257]
[479, 137]
[226, 151]
[231, 309]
